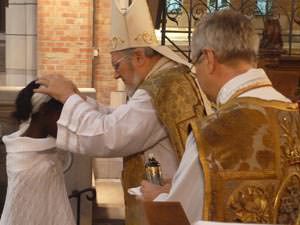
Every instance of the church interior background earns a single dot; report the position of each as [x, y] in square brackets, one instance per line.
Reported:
[71, 37]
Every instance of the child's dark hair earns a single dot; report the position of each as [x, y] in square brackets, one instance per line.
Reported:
[23, 105]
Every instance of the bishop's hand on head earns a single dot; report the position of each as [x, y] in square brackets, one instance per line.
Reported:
[57, 86]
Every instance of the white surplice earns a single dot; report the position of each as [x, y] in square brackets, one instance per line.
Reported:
[87, 127]
[187, 184]
[36, 192]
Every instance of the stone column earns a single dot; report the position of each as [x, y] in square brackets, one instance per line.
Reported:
[20, 38]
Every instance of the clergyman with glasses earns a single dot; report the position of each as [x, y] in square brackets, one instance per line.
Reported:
[163, 98]
[246, 155]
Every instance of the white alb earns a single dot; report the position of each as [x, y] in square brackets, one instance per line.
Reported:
[36, 193]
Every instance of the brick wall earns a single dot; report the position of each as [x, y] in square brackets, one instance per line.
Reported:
[65, 40]
[103, 80]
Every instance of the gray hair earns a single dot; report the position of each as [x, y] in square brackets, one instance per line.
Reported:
[229, 33]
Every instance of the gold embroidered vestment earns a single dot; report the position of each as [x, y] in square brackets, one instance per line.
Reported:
[250, 154]
[178, 103]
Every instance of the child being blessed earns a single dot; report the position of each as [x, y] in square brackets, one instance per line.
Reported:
[36, 193]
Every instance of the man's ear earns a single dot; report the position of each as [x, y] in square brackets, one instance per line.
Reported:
[211, 60]
[139, 57]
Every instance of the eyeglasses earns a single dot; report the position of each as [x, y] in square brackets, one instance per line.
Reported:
[194, 62]
[197, 58]
[116, 64]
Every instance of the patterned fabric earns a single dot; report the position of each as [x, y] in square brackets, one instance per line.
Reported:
[253, 177]
[36, 193]
[178, 103]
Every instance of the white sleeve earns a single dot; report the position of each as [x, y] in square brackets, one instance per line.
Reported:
[100, 107]
[187, 183]
[130, 128]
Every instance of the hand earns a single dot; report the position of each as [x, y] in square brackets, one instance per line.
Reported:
[151, 191]
[56, 86]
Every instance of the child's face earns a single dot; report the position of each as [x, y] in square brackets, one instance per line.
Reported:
[52, 126]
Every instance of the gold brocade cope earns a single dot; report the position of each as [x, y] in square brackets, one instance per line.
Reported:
[250, 154]
[178, 103]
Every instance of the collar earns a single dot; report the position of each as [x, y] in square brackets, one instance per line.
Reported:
[162, 64]
[16, 143]
[252, 78]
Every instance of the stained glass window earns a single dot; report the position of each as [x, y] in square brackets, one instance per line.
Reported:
[174, 6]
[263, 6]
[217, 4]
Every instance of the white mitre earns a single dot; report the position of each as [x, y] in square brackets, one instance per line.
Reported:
[132, 27]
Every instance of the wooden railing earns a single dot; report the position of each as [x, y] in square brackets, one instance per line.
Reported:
[284, 72]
